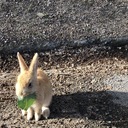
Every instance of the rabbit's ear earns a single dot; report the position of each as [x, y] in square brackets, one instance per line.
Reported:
[34, 62]
[23, 65]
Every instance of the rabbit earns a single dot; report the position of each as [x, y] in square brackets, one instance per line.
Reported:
[32, 79]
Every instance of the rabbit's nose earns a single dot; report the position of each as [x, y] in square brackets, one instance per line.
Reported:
[23, 93]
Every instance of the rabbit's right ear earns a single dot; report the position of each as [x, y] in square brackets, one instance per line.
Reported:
[22, 64]
[34, 62]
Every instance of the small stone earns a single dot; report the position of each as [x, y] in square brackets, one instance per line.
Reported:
[93, 81]
[40, 14]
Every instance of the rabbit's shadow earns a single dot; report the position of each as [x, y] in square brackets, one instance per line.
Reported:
[91, 105]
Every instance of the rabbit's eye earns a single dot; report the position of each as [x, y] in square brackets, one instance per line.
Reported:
[30, 85]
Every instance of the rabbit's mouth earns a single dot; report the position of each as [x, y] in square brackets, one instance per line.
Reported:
[20, 97]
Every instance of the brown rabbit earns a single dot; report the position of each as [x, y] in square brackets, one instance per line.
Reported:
[32, 79]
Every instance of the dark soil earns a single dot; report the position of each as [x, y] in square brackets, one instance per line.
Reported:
[26, 26]
[64, 19]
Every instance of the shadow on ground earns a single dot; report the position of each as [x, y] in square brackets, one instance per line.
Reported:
[91, 106]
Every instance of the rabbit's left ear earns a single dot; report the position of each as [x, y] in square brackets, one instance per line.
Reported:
[34, 63]
[22, 64]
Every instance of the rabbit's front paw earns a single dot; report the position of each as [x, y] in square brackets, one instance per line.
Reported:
[23, 112]
[29, 114]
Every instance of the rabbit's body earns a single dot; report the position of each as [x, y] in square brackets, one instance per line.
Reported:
[33, 80]
[43, 88]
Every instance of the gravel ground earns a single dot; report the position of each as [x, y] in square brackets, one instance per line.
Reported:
[81, 90]
[64, 19]
[86, 81]
[47, 24]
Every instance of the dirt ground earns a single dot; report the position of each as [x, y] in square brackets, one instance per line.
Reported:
[81, 97]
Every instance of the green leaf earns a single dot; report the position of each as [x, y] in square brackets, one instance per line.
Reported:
[27, 101]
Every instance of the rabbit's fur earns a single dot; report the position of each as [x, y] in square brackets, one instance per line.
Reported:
[32, 79]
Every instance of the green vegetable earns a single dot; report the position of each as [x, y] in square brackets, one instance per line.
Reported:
[27, 101]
